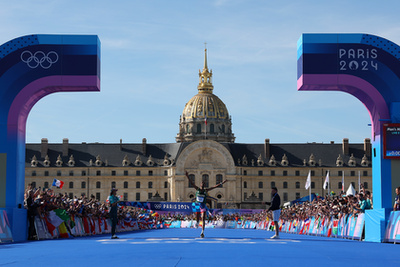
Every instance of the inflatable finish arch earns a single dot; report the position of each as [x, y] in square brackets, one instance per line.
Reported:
[367, 67]
[32, 67]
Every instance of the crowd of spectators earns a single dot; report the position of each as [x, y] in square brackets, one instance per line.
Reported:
[39, 202]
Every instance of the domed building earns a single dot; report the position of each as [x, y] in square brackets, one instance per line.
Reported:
[205, 116]
[205, 148]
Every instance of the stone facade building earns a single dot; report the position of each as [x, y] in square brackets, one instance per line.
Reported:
[204, 148]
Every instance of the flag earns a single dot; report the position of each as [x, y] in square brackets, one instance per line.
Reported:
[308, 182]
[343, 181]
[205, 119]
[359, 181]
[326, 183]
[58, 183]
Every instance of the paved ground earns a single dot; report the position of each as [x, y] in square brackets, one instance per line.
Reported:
[183, 247]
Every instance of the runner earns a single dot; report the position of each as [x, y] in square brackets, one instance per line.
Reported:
[201, 199]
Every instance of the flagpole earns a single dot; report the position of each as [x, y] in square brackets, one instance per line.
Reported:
[359, 182]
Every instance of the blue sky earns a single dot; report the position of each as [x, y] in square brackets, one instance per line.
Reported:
[152, 51]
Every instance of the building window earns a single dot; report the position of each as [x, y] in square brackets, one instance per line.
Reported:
[98, 184]
[83, 173]
[212, 128]
[71, 195]
[272, 184]
[166, 173]
[125, 184]
[46, 184]
[206, 180]
[297, 195]
[297, 184]
[284, 184]
[272, 173]
[137, 173]
[113, 173]
[285, 196]
[71, 184]
[58, 173]
[166, 196]
[365, 173]
[245, 172]
[284, 173]
[219, 179]
[260, 184]
[46, 173]
[339, 173]
[125, 196]
[260, 196]
[191, 178]
[150, 184]
[365, 185]
[353, 184]
[312, 173]
[312, 185]
[198, 128]
[33, 184]
[150, 173]
[339, 186]
[137, 184]
[150, 195]
[98, 173]
[83, 185]
[223, 128]
[260, 173]
[352, 173]
[34, 173]
[98, 196]
[137, 196]
[297, 173]
[244, 184]
[71, 173]
[113, 185]
[245, 195]
[126, 173]
[165, 184]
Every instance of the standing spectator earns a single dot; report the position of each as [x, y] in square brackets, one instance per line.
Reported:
[276, 210]
[396, 206]
[113, 201]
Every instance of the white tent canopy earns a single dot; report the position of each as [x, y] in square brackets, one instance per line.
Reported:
[351, 191]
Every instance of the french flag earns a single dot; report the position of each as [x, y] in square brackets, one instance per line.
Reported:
[58, 183]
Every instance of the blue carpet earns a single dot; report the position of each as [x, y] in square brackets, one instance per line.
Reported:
[183, 247]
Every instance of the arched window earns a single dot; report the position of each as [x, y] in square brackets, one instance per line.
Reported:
[165, 184]
[244, 184]
[212, 128]
[191, 178]
[219, 179]
[198, 128]
[205, 179]
[137, 184]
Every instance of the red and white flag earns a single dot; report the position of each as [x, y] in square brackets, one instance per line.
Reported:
[58, 183]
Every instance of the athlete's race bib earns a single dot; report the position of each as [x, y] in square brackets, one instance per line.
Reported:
[200, 199]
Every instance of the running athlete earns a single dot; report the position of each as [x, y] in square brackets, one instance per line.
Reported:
[201, 199]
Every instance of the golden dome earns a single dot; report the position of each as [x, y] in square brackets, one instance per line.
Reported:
[205, 116]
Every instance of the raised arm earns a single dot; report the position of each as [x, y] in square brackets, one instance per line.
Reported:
[190, 181]
[215, 186]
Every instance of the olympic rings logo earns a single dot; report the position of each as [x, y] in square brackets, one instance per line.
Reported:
[39, 58]
[157, 206]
